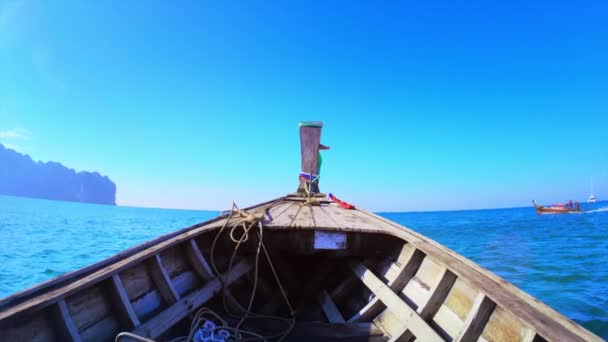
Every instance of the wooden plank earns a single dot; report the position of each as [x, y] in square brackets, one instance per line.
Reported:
[410, 259]
[438, 296]
[547, 322]
[160, 323]
[185, 282]
[322, 219]
[124, 304]
[476, 320]
[329, 308]
[41, 327]
[317, 331]
[352, 219]
[198, 261]
[411, 318]
[429, 309]
[288, 215]
[67, 326]
[277, 211]
[162, 280]
[139, 252]
[324, 211]
[304, 218]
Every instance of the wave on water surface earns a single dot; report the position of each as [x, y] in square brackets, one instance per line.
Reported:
[598, 210]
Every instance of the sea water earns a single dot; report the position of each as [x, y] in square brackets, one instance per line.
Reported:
[560, 259]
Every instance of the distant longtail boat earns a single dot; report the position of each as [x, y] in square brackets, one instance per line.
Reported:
[556, 209]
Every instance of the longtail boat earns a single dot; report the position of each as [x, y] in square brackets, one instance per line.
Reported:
[556, 209]
[296, 268]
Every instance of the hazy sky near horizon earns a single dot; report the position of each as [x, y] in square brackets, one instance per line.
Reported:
[426, 105]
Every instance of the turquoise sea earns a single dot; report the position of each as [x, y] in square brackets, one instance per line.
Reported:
[560, 259]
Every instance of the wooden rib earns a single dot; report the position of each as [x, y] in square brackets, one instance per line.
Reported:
[162, 280]
[546, 321]
[429, 309]
[311, 331]
[162, 322]
[410, 260]
[438, 296]
[409, 316]
[198, 261]
[477, 318]
[201, 266]
[122, 299]
[67, 326]
[329, 308]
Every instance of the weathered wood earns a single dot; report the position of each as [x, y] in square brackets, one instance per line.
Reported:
[546, 321]
[68, 330]
[287, 217]
[342, 288]
[147, 305]
[389, 323]
[90, 306]
[185, 282]
[317, 331]
[304, 218]
[519, 309]
[162, 280]
[438, 296]
[160, 323]
[414, 322]
[478, 317]
[410, 259]
[329, 308]
[164, 241]
[198, 261]
[310, 139]
[41, 327]
[123, 303]
[283, 215]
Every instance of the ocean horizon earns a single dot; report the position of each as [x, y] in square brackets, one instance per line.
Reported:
[547, 256]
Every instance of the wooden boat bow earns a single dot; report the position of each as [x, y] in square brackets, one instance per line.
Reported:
[349, 274]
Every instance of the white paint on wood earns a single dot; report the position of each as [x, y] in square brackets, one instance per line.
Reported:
[406, 314]
[476, 320]
[330, 240]
[410, 259]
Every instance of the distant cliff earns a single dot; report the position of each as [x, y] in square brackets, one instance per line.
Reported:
[21, 176]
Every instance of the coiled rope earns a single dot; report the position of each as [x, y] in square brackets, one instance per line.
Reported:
[239, 234]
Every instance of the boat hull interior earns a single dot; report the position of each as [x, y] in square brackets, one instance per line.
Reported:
[346, 276]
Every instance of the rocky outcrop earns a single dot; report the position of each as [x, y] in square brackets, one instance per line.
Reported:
[22, 176]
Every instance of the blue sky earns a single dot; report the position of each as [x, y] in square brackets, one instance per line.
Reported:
[426, 105]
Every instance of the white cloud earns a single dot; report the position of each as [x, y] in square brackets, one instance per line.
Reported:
[16, 133]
